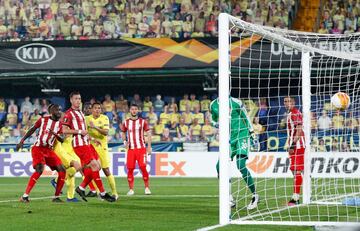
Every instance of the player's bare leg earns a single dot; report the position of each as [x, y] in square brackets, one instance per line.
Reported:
[32, 181]
[111, 181]
[92, 173]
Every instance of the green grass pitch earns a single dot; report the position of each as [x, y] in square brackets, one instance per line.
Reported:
[176, 204]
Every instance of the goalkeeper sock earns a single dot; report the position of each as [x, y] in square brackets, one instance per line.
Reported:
[241, 165]
[111, 181]
[297, 182]
[130, 177]
[145, 175]
[70, 184]
[32, 181]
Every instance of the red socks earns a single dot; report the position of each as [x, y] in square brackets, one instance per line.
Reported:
[87, 177]
[297, 183]
[32, 181]
[145, 175]
[98, 182]
[92, 186]
[130, 177]
[60, 183]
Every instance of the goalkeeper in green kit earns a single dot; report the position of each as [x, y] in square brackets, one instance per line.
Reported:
[241, 132]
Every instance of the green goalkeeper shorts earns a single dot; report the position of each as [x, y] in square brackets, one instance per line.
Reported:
[240, 147]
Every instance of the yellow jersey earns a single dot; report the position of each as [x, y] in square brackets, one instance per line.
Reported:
[101, 122]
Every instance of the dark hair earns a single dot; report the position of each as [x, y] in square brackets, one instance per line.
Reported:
[96, 103]
[51, 106]
[134, 105]
[74, 93]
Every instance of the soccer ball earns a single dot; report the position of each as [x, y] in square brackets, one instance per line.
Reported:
[340, 101]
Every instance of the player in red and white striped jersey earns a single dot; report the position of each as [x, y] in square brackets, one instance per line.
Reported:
[74, 124]
[133, 135]
[42, 151]
[296, 143]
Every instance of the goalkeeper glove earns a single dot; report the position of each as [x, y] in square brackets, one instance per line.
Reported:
[255, 141]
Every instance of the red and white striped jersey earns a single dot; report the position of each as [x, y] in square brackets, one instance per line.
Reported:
[135, 132]
[75, 119]
[294, 118]
[45, 138]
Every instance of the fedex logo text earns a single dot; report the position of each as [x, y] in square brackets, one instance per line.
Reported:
[159, 165]
[16, 168]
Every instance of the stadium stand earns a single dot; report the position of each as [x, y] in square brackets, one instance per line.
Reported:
[109, 19]
[190, 126]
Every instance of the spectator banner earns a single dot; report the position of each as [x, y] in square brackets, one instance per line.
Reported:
[145, 53]
[154, 53]
[202, 164]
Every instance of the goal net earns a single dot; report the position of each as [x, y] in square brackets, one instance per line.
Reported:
[262, 66]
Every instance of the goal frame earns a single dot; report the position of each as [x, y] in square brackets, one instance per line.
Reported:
[224, 73]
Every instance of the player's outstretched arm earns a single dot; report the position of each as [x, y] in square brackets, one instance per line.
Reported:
[27, 135]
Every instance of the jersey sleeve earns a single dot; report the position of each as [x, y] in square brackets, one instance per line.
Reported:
[214, 109]
[296, 118]
[38, 123]
[146, 126]
[123, 127]
[106, 123]
[67, 120]
[243, 114]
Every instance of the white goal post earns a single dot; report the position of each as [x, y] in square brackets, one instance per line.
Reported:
[335, 70]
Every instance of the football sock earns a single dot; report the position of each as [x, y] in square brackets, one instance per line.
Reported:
[60, 183]
[145, 175]
[87, 178]
[93, 187]
[70, 184]
[97, 180]
[297, 182]
[32, 181]
[130, 177]
[241, 165]
[112, 184]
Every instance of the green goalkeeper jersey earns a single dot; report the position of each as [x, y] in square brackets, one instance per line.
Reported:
[240, 125]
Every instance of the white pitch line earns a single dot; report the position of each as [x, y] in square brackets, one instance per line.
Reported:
[174, 196]
[125, 196]
[31, 199]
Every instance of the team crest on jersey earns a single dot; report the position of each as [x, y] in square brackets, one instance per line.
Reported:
[65, 120]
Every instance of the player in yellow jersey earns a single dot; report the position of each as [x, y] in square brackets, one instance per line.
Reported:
[72, 164]
[98, 128]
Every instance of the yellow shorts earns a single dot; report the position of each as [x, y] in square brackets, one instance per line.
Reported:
[103, 156]
[66, 154]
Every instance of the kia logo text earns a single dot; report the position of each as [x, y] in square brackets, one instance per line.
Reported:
[35, 53]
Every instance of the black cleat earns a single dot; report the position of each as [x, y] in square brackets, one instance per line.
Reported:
[91, 194]
[57, 200]
[293, 202]
[81, 193]
[108, 198]
[24, 199]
